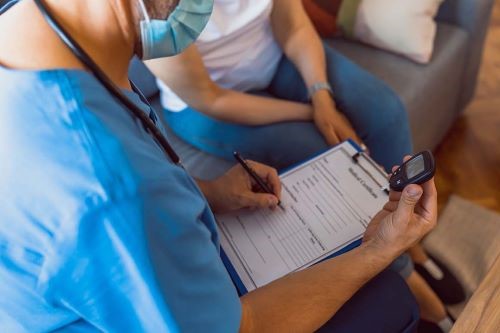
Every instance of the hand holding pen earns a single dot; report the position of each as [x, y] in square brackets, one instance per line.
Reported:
[261, 184]
[238, 189]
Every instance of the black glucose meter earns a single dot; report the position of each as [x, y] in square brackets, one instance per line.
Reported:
[417, 170]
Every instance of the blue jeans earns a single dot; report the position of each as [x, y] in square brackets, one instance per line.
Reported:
[373, 109]
[376, 113]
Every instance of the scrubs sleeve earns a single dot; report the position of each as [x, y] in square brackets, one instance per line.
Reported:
[129, 268]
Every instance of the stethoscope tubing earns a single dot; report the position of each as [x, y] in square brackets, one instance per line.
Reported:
[78, 51]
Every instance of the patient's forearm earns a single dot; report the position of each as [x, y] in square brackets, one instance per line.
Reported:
[249, 109]
[304, 301]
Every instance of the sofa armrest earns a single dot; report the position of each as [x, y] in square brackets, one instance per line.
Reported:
[472, 16]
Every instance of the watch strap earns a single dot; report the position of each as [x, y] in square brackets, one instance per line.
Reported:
[317, 87]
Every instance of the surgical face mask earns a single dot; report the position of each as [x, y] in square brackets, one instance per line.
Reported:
[165, 38]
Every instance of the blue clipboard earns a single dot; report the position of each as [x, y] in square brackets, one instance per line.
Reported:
[240, 287]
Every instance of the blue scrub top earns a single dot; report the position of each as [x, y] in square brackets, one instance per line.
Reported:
[99, 230]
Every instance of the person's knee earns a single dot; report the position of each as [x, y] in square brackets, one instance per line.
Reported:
[390, 113]
[397, 308]
[385, 304]
[389, 128]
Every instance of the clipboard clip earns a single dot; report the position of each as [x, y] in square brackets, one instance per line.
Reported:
[361, 154]
[355, 157]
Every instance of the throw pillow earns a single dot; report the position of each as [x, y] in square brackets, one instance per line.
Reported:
[406, 27]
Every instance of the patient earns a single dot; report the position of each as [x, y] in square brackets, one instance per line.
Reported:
[259, 74]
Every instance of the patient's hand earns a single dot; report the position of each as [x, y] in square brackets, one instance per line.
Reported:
[236, 189]
[332, 124]
[405, 219]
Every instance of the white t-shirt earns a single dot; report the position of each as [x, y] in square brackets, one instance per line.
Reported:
[238, 48]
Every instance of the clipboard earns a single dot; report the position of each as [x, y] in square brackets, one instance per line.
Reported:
[358, 158]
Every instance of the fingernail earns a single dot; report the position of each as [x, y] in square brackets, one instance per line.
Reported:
[413, 191]
[272, 201]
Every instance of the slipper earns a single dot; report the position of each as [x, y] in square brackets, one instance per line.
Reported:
[425, 326]
[441, 280]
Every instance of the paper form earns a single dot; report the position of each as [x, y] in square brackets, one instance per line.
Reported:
[328, 202]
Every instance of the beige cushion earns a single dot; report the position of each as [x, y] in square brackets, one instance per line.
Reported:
[406, 27]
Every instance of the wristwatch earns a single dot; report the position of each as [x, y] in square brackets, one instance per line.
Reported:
[319, 86]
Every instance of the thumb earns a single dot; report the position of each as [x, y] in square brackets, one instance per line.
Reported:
[409, 199]
[260, 200]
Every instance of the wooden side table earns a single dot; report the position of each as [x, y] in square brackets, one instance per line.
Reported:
[482, 313]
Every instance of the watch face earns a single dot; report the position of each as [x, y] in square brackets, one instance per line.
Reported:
[415, 167]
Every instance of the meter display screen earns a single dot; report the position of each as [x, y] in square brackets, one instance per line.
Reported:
[415, 166]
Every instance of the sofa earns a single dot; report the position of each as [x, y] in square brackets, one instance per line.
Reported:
[434, 94]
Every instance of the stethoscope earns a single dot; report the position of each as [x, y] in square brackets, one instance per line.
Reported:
[77, 50]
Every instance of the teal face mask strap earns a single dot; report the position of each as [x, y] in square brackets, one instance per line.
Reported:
[144, 10]
[78, 51]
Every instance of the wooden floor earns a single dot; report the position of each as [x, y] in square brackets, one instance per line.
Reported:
[469, 158]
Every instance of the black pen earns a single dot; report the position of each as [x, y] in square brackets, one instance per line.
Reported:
[262, 184]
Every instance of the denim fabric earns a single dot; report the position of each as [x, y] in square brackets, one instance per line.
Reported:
[374, 110]
[383, 305]
[402, 265]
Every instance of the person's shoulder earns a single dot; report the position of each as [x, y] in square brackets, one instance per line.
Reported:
[38, 95]
[49, 151]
